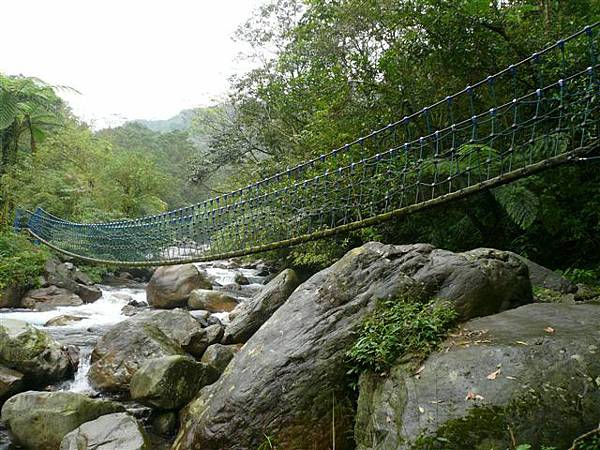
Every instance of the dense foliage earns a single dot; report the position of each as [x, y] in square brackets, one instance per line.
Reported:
[336, 70]
[21, 262]
[398, 327]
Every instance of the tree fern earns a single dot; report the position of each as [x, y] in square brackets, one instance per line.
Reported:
[520, 204]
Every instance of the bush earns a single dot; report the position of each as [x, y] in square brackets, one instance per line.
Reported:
[21, 262]
[397, 327]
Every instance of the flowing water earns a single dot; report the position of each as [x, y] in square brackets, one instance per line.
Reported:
[98, 317]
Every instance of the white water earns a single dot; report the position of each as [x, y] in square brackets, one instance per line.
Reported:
[80, 382]
[104, 311]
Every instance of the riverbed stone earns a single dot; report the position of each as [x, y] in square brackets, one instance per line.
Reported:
[120, 352]
[170, 286]
[118, 431]
[62, 320]
[11, 382]
[219, 355]
[171, 382]
[213, 301]
[33, 352]
[40, 420]
[249, 316]
[292, 371]
[530, 374]
[165, 423]
[48, 298]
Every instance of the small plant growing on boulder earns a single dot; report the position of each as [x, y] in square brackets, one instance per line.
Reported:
[399, 326]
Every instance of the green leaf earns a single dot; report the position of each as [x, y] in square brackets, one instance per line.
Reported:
[521, 205]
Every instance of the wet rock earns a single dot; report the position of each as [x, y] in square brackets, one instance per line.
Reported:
[165, 424]
[40, 420]
[88, 294]
[117, 431]
[32, 352]
[302, 361]
[213, 301]
[249, 316]
[503, 375]
[170, 286]
[46, 299]
[241, 279]
[62, 320]
[120, 352]
[219, 356]
[170, 382]
[11, 382]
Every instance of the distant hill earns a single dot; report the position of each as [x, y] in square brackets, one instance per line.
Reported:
[181, 121]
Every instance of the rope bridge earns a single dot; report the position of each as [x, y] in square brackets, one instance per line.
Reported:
[539, 113]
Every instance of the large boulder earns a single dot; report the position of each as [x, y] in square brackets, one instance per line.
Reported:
[171, 382]
[148, 334]
[48, 298]
[118, 431]
[33, 353]
[530, 374]
[249, 316]
[120, 353]
[11, 382]
[212, 301]
[291, 373]
[40, 420]
[170, 286]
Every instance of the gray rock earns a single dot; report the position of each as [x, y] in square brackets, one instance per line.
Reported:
[170, 286]
[62, 320]
[40, 420]
[88, 294]
[117, 431]
[249, 316]
[33, 352]
[503, 375]
[301, 362]
[181, 326]
[48, 298]
[219, 355]
[120, 352]
[170, 382]
[66, 276]
[542, 277]
[241, 279]
[148, 334]
[11, 382]
[213, 301]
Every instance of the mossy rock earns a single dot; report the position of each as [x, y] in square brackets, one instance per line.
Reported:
[531, 374]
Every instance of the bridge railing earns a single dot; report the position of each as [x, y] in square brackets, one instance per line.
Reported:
[535, 114]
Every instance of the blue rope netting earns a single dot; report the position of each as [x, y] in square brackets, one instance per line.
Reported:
[535, 114]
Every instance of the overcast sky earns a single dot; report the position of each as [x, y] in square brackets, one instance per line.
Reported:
[129, 59]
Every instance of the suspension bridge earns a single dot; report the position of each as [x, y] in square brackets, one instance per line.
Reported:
[536, 114]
